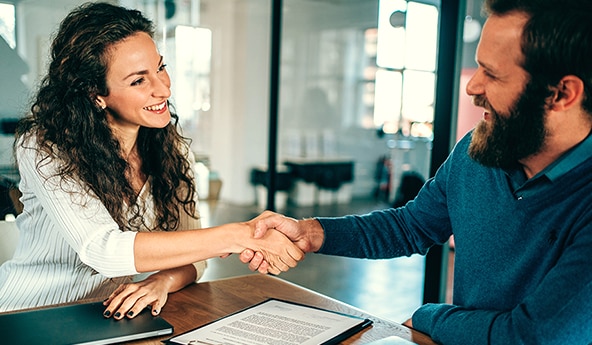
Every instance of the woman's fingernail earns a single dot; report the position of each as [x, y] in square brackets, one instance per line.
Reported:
[130, 313]
[118, 314]
[155, 311]
[107, 313]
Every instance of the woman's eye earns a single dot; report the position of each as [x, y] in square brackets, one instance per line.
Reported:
[138, 82]
[162, 67]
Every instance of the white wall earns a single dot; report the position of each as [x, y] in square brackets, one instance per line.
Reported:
[240, 31]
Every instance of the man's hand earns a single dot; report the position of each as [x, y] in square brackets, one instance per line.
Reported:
[306, 234]
[279, 253]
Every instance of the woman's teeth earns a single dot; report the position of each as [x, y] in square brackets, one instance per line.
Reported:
[156, 107]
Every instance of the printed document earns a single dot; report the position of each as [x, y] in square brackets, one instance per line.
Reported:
[275, 322]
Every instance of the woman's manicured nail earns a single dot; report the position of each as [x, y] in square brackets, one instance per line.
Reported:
[130, 313]
[107, 313]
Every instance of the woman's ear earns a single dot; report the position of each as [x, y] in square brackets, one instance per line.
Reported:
[568, 93]
[100, 102]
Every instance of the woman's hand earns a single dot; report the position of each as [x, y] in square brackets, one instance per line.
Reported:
[128, 300]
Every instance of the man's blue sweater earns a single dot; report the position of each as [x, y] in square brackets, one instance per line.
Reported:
[523, 264]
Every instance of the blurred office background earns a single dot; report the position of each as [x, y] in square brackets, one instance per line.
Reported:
[356, 107]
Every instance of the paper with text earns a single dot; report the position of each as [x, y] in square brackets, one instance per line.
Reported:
[273, 322]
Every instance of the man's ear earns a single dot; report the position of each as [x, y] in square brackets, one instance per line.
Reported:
[568, 93]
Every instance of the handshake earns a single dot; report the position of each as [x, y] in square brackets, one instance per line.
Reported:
[280, 242]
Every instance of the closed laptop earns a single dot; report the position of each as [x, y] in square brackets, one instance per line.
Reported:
[77, 324]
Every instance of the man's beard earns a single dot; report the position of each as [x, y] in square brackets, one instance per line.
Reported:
[509, 137]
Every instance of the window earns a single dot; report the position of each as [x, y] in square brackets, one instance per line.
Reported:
[7, 24]
[400, 77]
[188, 55]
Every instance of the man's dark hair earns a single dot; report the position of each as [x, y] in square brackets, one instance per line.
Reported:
[556, 41]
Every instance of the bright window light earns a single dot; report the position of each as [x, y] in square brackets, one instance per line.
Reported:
[406, 63]
[7, 24]
[387, 99]
[418, 96]
[422, 31]
[391, 40]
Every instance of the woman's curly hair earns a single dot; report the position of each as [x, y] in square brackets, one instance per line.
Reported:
[69, 126]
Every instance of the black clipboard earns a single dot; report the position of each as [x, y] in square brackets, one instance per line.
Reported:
[359, 324]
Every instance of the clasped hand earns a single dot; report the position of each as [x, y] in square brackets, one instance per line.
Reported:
[277, 250]
[271, 222]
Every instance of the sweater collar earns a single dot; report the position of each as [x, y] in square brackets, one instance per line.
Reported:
[568, 161]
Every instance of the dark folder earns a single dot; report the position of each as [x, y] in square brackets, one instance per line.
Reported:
[77, 324]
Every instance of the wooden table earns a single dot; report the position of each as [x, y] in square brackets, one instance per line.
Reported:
[201, 303]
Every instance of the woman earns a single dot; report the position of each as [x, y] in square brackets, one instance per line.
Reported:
[106, 178]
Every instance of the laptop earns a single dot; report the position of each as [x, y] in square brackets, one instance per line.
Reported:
[78, 324]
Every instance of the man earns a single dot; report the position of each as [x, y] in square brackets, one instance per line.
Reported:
[516, 192]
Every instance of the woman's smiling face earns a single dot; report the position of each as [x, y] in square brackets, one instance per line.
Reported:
[138, 85]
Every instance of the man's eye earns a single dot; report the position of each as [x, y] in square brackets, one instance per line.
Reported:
[489, 74]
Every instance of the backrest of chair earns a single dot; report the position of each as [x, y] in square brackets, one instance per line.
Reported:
[6, 204]
[9, 198]
[15, 195]
[8, 239]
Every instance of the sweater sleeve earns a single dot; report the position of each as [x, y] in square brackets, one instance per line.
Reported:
[79, 217]
[393, 232]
